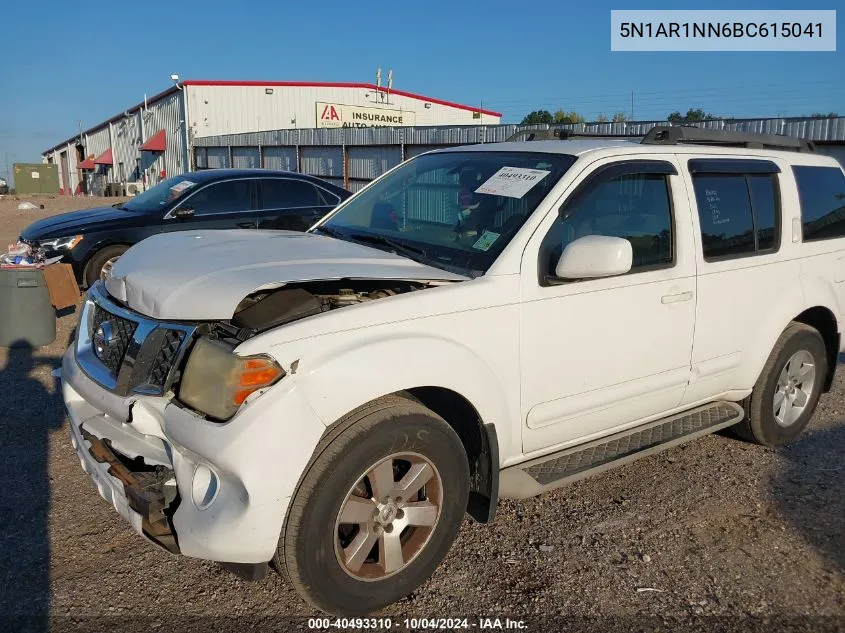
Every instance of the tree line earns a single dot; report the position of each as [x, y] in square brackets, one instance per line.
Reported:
[692, 115]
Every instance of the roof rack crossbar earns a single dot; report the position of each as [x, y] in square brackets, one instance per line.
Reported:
[553, 134]
[687, 134]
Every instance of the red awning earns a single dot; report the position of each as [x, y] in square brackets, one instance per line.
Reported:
[88, 163]
[105, 158]
[156, 143]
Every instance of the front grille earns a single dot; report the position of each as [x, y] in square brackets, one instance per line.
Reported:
[127, 352]
[165, 358]
[111, 353]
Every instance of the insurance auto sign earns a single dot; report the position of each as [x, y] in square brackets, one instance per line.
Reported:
[340, 115]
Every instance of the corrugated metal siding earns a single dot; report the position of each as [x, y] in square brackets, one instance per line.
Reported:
[371, 162]
[321, 161]
[280, 158]
[455, 135]
[246, 158]
[165, 114]
[218, 157]
[127, 140]
[829, 130]
[416, 150]
[832, 129]
[216, 110]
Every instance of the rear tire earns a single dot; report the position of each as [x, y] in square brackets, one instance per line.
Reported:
[363, 493]
[788, 389]
[102, 259]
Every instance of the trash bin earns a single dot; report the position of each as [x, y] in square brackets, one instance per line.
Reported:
[27, 316]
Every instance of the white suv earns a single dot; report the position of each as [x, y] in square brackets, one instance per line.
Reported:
[481, 322]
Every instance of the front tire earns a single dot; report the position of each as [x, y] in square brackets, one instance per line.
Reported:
[377, 510]
[788, 389]
[101, 262]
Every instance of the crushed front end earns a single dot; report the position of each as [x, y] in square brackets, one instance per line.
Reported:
[194, 485]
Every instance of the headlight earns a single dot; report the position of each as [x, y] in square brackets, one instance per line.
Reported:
[61, 243]
[216, 382]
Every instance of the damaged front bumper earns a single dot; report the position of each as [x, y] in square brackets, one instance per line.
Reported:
[203, 489]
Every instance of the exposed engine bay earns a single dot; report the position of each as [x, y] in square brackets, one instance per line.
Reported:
[268, 309]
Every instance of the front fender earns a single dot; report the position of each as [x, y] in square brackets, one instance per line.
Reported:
[355, 370]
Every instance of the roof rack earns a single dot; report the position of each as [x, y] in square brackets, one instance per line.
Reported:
[688, 134]
[562, 135]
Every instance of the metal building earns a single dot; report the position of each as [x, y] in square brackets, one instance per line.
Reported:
[151, 141]
[353, 157]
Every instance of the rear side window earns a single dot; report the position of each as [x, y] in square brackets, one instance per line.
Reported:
[281, 193]
[229, 196]
[822, 194]
[739, 213]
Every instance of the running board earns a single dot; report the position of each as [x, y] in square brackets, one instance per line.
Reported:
[563, 467]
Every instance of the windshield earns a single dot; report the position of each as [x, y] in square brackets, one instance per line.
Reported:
[158, 197]
[452, 210]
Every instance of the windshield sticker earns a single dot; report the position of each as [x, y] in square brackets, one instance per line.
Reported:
[513, 182]
[487, 239]
[179, 187]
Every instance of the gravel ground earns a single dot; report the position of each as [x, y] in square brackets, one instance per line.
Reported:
[717, 534]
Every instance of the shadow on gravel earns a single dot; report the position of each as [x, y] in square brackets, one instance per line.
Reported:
[29, 411]
[808, 493]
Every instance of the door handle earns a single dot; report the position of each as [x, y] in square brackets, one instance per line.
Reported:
[676, 298]
[246, 225]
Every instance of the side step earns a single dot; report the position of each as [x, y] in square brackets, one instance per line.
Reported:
[563, 467]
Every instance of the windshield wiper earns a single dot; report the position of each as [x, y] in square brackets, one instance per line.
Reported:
[330, 232]
[411, 252]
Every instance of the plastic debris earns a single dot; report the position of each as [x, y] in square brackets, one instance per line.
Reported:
[648, 589]
[26, 206]
[21, 255]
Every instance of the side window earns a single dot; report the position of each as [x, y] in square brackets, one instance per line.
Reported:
[281, 193]
[822, 194]
[738, 213]
[634, 206]
[230, 196]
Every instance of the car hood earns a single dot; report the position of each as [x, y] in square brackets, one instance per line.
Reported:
[204, 275]
[75, 222]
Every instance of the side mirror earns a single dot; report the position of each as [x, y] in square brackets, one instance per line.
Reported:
[183, 213]
[594, 256]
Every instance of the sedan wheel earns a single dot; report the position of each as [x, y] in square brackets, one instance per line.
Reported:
[106, 269]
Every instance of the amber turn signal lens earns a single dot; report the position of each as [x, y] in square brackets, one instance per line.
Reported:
[258, 372]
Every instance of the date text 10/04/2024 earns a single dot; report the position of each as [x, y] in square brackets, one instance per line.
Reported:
[418, 623]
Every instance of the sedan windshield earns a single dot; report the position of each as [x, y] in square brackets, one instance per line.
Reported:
[161, 195]
[451, 210]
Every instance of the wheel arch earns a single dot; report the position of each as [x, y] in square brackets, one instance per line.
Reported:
[99, 246]
[480, 441]
[440, 373]
[824, 322]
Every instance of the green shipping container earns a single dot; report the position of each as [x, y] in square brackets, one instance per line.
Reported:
[35, 178]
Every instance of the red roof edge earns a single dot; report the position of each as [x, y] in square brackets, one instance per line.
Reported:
[105, 158]
[88, 163]
[323, 84]
[156, 143]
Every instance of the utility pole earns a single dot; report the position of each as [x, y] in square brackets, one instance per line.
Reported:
[632, 105]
